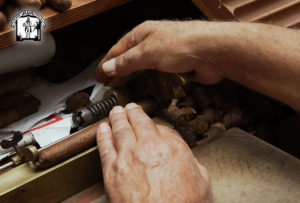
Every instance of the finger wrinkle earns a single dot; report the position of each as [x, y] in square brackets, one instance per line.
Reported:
[143, 121]
[118, 119]
[121, 129]
[131, 42]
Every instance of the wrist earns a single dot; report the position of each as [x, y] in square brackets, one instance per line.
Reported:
[215, 44]
[224, 45]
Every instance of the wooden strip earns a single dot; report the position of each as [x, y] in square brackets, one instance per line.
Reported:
[280, 12]
[286, 18]
[231, 5]
[260, 9]
[80, 10]
[214, 10]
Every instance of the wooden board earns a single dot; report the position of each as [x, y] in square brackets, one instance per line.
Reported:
[285, 13]
[81, 9]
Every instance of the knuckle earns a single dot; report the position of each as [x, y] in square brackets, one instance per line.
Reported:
[109, 170]
[121, 167]
[105, 155]
[128, 57]
[126, 60]
[100, 140]
[121, 129]
[121, 133]
[132, 41]
[143, 51]
[117, 117]
[149, 143]
[179, 145]
[148, 22]
[146, 25]
[121, 62]
[107, 174]
[143, 121]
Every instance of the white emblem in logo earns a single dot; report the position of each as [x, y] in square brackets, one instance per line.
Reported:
[28, 26]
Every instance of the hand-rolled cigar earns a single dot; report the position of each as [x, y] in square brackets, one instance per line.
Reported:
[229, 105]
[199, 124]
[188, 102]
[76, 101]
[3, 20]
[60, 5]
[181, 116]
[67, 148]
[80, 141]
[12, 99]
[59, 69]
[28, 3]
[218, 100]
[209, 115]
[188, 134]
[149, 105]
[178, 92]
[2, 2]
[201, 97]
[233, 118]
[215, 130]
[27, 106]
[15, 82]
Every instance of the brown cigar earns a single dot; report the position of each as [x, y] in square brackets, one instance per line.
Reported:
[60, 5]
[3, 20]
[27, 106]
[67, 148]
[80, 141]
[15, 82]
[28, 3]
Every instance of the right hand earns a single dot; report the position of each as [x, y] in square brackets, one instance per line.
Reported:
[145, 162]
[168, 46]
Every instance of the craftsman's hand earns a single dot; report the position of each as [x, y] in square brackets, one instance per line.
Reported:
[145, 162]
[168, 46]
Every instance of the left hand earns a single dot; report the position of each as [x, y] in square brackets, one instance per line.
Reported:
[167, 46]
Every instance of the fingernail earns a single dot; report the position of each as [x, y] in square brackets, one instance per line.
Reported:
[131, 106]
[117, 109]
[103, 128]
[109, 67]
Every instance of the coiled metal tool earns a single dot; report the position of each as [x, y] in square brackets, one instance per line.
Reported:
[88, 115]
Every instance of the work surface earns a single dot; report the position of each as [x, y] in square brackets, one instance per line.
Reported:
[242, 168]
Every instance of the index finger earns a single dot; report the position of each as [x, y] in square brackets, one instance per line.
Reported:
[141, 123]
[123, 135]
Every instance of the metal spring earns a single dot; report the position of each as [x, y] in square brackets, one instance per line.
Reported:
[101, 109]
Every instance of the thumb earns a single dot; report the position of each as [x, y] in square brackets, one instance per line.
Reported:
[132, 60]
